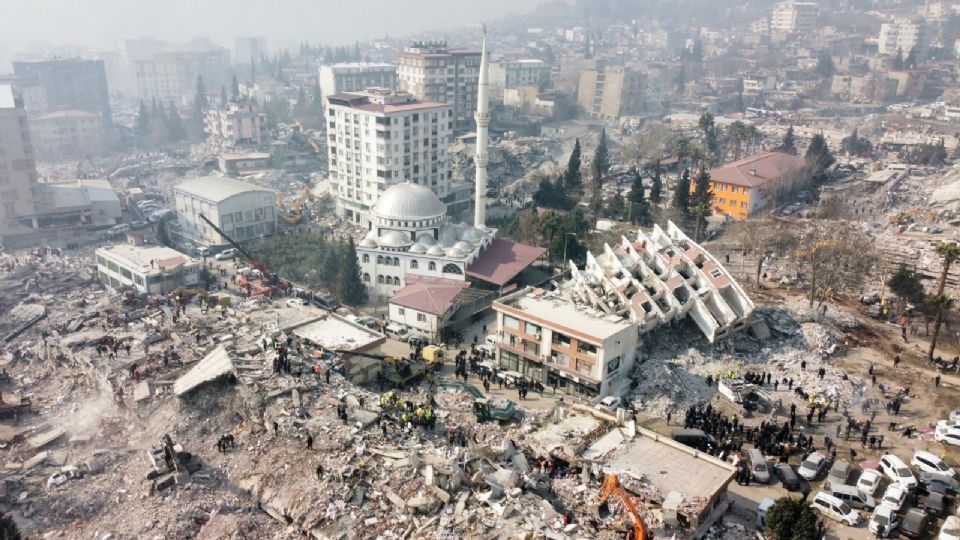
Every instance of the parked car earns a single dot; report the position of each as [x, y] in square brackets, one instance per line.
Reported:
[935, 504]
[326, 301]
[226, 255]
[759, 467]
[296, 302]
[788, 477]
[938, 483]
[950, 530]
[834, 508]
[869, 481]
[895, 496]
[930, 463]
[883, 521]
[852, 496]
[839, 473]
[418, 341]
[397, 331]
[947, 434]
[914, 523]
[897, 470]
[812, 466]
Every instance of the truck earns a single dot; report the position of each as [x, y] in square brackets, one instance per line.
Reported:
[396, 371]
[499, 409]
[748, 397]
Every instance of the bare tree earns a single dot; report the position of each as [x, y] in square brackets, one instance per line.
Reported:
[759, 237]
[834, 256]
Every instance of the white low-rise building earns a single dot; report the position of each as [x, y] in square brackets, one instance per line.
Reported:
[147, 269]
[243, 211]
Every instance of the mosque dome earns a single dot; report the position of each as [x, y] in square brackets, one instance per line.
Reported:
[455, 253]
[426, 239]
[435, 250]
[472, 235]
[418, 248]
[395, 239]
[408, 201]
[463, 246]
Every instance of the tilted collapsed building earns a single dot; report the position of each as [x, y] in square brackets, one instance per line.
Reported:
[585, 337]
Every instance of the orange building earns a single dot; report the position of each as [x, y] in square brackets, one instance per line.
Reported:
[743, 188]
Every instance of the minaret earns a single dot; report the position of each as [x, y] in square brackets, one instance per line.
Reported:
[482, 116]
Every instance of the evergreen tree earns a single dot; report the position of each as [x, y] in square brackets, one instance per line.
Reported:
[143, 122]
[599, 167]
[792, 519]
[158, 130]
[910, 62]
[571, 178]
[855, 145]
[352, 290]
[199, 104]
[153, 106]
[681, 149]
[681, 195]
[223, 96]
[552, 195]
[788, 144]
[897, 64]
[818, 155]
[709, 129]
[639, 208]
[701, 203]
[235, 88]
[656, 183]
[330, 269]
[175, 129]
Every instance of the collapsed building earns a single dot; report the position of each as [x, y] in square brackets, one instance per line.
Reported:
[586, 336]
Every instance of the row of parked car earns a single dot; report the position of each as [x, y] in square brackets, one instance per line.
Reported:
[908, 504]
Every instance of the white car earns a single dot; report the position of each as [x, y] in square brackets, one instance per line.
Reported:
[945, 434]
[812, 466]
[950, 529]
[869, 481]
[897, 470]
[296, 302]
[895, 496]
[834, 508]
[951, 423]
[226, 254]
[883, 521]
[955, 415]
[928, 462]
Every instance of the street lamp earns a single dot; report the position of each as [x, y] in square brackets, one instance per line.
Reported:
[569, 234]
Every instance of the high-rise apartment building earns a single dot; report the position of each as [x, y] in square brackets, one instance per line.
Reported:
[432, 72]
[246, 49]
[611, 92]
[71, 84]
[516, 73]
[379, 138]
[18, 172]
[794, 17]
[356, 76]
[173, 75]
[904, 35]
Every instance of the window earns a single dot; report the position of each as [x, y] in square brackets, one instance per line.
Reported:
[432, 266]
[586, 349]
[413, 264]
[743, 205]
[733, 202]
[379, 259]
[722, 201]
[560, 339]
[396, 261]
[366, 278]
[421, 317]
[380, 279]
[401, 311]
[451, 268]
[511, 322]
[532, 329]
[716, 272]
[366, 258]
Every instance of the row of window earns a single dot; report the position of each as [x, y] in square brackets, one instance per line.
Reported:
[732, 189]
[448, 268]
[722, 201]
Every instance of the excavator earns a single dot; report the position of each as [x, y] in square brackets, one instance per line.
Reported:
[611, 486]
[270, 282]
[296, 210]
[397, 371]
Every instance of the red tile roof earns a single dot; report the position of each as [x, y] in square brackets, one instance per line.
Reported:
[757, 170]
[502, 261]
[429, 295]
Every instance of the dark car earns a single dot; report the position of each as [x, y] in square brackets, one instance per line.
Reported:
[935, 503]
[695, 438]
[914, 523]
[788, 477]
[938, 483]
[326, 301]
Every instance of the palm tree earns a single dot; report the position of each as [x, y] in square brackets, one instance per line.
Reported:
[950, 252]
[737, 131]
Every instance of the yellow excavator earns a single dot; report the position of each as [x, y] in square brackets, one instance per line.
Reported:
[296, 210]
[611, 486]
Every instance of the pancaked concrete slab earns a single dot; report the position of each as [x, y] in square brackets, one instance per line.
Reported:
[213, 366]
[37, 459]
[45, 437]
[142, 391]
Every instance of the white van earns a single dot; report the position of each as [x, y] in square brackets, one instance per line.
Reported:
[759, 467]
[834, 508]
[897, 471]
[853, 496]
[396, 331]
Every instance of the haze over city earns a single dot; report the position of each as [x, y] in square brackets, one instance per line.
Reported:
[513, 270]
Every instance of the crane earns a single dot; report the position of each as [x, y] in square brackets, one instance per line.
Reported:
[270, 279]
[611, 486]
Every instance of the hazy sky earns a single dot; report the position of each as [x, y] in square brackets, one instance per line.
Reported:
[100, 22]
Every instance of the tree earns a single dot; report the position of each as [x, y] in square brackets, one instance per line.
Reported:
[818, 155]
[352, 290]
[235, 87]
[758, 237]
[681, 149]
[572, 179]
[681, 194]
[906, 285]
[8, 528]
[223, 96]
[792, 519]
[176, 132]
[789, 144]
[656, 183]
[158, 128]
[737, 132]
[639, 208]
[599, 167]
[825, 67]
[949, 252]
[143, 122]
[701, 203]
[910, 62]
[709, 129]
[552, 195]
[897, 64]
[833, 257]
[855, 145]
